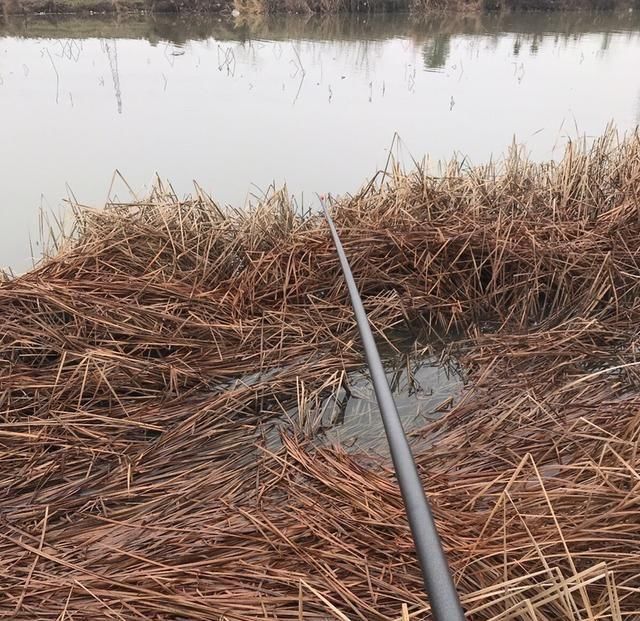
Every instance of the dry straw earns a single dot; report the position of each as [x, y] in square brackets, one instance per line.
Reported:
[141, 367]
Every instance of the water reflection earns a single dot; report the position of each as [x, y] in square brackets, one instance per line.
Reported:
[111, 50]
[436, 51]
[423, 389]
[314, 101]
[179, 30]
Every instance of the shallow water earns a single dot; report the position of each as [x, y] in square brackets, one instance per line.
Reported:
[424, 389]
[313, 101]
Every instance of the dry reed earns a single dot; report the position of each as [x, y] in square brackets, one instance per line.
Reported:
[142, 365]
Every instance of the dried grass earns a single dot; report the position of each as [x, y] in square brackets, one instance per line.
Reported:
[141, 367]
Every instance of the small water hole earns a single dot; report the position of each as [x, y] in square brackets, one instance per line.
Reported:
[424, 388]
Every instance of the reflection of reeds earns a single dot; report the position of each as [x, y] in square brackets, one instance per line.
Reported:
[344, 27]
[140, 368]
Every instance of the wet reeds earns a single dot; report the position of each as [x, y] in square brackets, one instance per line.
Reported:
[142, 366]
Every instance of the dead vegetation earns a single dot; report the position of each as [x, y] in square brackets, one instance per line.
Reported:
[141, 367]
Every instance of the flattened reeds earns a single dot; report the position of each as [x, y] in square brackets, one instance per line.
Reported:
[141, 367]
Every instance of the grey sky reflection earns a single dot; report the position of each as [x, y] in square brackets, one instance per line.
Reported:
[313, 102]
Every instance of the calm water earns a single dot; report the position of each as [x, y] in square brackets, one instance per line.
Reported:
[423, 390]
[313, 101]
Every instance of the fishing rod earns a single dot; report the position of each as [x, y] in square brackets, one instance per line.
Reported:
[436, 574]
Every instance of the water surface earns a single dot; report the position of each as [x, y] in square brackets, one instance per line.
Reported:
[423, 390]
[315, 102]
[424, 387]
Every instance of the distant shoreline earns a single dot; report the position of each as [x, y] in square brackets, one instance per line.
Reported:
[180, 27]
[11, 8]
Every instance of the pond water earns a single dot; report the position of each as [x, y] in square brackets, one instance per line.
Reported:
[423, 391]
[424, 387]
[315, 102]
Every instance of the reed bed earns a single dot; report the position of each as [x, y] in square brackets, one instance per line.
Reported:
[143, 365]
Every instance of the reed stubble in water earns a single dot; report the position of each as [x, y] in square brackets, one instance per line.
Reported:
[141, 365]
